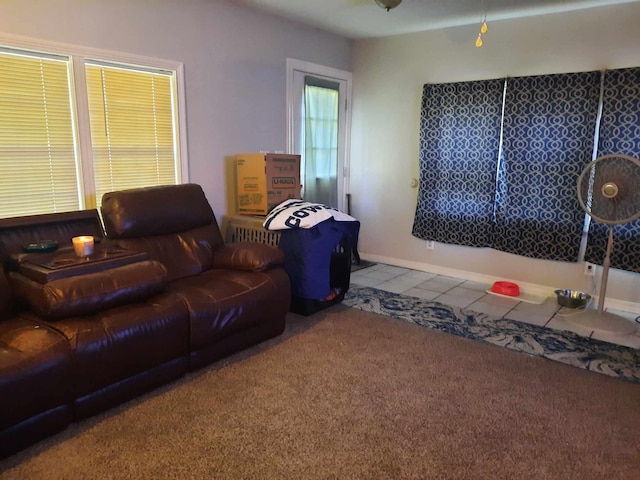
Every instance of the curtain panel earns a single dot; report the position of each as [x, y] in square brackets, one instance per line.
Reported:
[321, 144]
[459, 146]
[502, 172]
[619, 133]
[548, 137]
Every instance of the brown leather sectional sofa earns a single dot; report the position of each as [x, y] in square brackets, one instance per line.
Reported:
[162, 295]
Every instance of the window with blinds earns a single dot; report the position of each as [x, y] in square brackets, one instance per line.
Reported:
[132, 128]
[73, 127]
[37, 146]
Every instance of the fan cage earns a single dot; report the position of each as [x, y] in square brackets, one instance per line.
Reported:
[625, 174]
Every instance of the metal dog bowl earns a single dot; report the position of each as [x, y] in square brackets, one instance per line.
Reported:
[572, 298]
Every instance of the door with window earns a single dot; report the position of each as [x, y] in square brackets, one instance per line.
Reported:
[317, 121]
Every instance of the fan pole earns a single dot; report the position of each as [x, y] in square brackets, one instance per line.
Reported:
[605, 271]
[599, 319]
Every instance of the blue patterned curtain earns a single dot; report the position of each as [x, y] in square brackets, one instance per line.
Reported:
[619, 133]
[459, 142]
[548, 137]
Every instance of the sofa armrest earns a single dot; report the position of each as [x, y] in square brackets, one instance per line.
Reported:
[91, 292]
[255, 257]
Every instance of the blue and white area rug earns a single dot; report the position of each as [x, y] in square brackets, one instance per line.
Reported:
[566, 347]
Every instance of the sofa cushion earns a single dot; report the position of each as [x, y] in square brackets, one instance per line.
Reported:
[35, 367]
[223, 302]
[183, 254]
[121, 342]
[182, 235]
[89, 293]
[143, 212]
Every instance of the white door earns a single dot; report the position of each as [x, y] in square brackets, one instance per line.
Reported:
[318, 120]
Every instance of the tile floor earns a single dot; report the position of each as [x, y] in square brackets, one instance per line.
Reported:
[473, 296]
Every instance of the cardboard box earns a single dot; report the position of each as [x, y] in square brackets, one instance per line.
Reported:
[265, 180]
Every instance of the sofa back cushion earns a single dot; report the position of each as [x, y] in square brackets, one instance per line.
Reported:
[144, 212]
[174, 224]
[16, 232]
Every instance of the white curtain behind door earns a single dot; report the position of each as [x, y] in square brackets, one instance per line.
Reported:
[320, 144]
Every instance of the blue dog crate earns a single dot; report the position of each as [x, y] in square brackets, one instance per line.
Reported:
[318, 261]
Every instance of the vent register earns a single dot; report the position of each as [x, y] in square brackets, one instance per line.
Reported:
[249, 229]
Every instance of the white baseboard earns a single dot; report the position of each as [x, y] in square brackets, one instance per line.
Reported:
[529, 288]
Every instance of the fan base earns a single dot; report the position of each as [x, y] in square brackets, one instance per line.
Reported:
[603, 322]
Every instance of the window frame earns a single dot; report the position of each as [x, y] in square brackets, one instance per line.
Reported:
[78, 55]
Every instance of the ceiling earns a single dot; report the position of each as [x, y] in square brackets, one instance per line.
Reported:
[364, 19]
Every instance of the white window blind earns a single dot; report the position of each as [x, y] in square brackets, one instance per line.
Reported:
[132, 119]
[38, 160]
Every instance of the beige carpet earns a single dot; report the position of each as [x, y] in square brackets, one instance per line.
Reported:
[346, 394]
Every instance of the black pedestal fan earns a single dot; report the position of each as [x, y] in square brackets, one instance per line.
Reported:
[609, 191]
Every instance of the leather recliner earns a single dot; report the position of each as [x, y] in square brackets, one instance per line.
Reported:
[234, 296]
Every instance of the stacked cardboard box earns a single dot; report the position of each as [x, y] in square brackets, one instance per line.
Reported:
[265, 180]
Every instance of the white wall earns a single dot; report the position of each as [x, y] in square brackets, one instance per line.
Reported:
[388, 77]
[234, 59]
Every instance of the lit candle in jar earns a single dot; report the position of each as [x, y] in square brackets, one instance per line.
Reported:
[83, 245]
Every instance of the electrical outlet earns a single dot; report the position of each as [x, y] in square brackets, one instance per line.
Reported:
[589, 269]
[430, 244]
